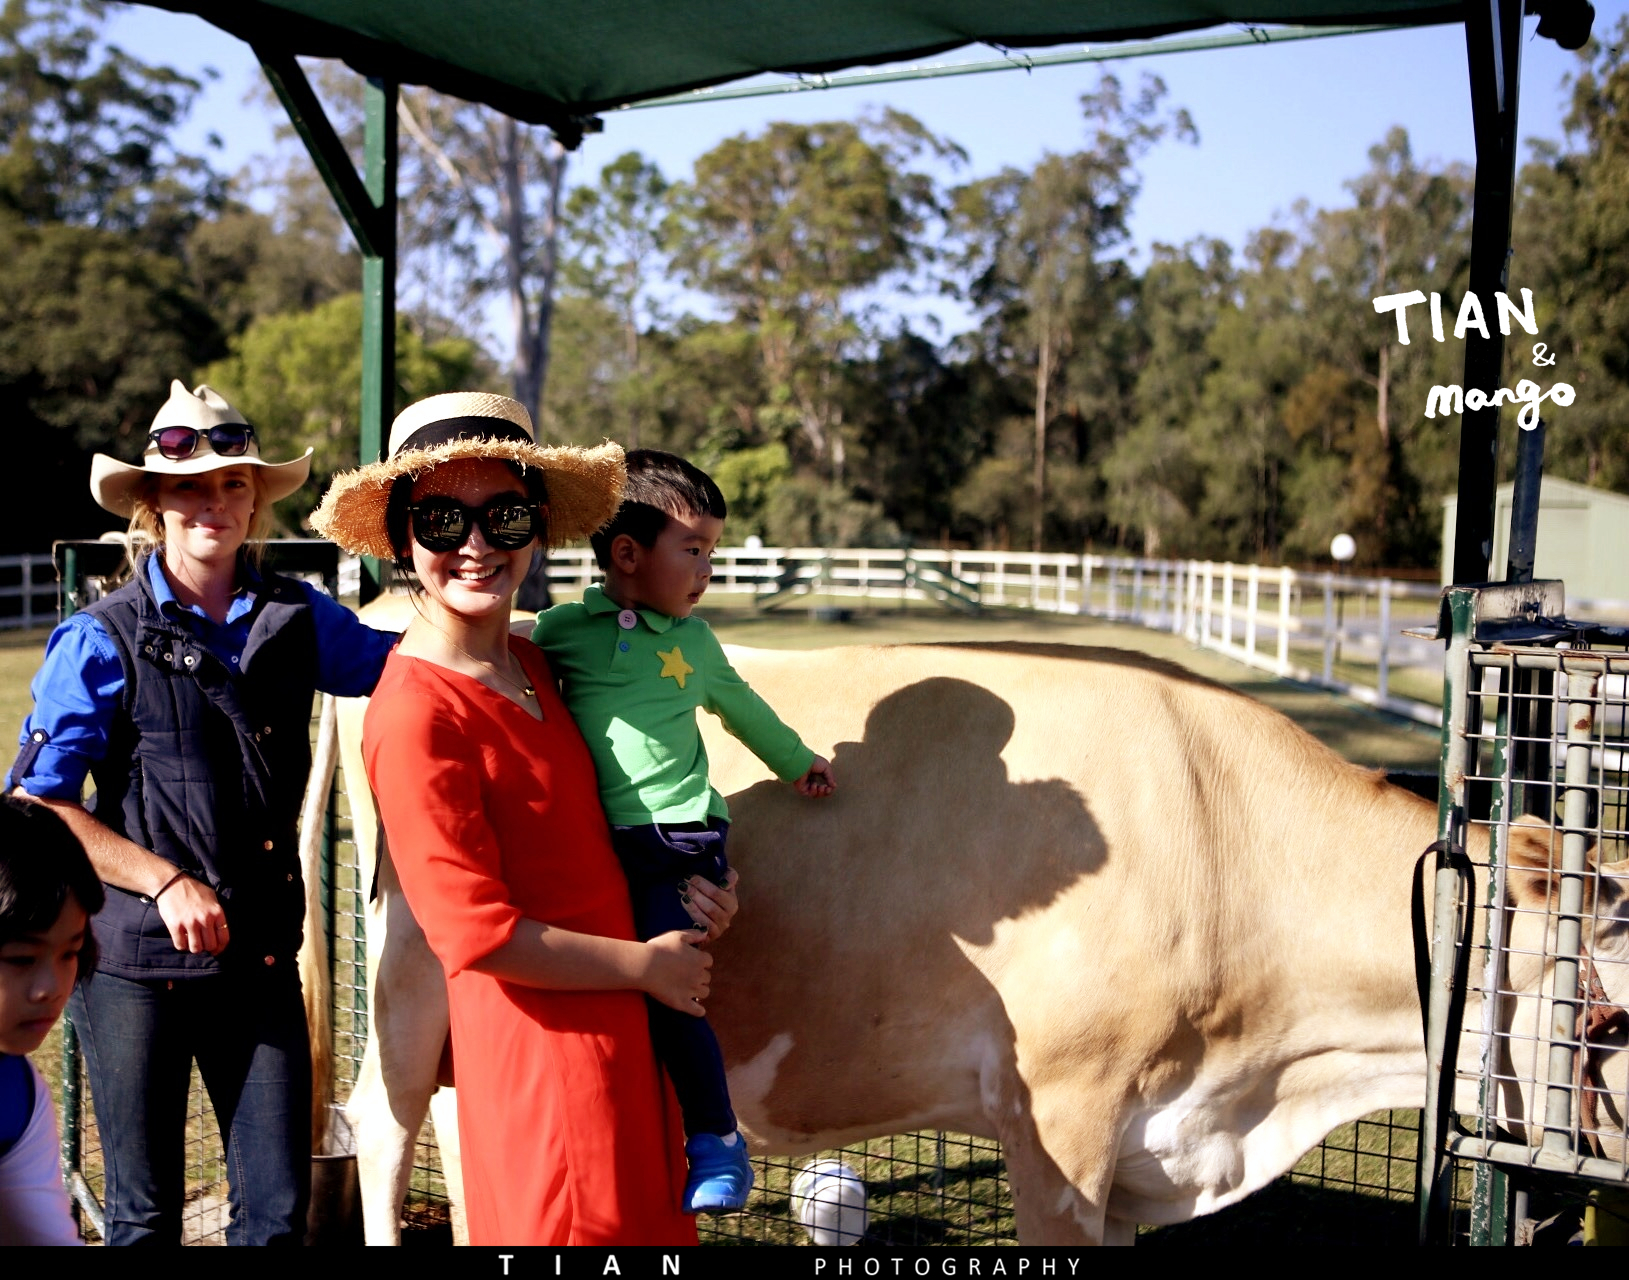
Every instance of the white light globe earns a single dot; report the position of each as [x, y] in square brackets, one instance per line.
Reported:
[828, 1199]
[1343, 546]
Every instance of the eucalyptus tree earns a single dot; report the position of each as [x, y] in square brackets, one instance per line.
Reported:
[615, 254]
[788, 230]
[476, 170]
[85, 129]
[1571, 246]
[479, 213]
[1152, 473]
[96, 203]
[1034, 245]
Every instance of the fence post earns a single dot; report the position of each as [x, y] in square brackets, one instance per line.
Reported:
[1329, 627]
[1227, 604]
[1114, 574]
[1383, 676]
[1086, 583]
[1252, 598]
[1286, 577]
[1205, 606]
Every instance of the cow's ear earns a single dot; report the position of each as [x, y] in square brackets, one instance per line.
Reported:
[1534, 852]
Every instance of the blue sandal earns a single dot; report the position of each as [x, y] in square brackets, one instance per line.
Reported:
[720, 1176]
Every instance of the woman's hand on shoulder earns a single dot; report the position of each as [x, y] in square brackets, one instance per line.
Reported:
[711, 906]
[194, 917]
[676, 971]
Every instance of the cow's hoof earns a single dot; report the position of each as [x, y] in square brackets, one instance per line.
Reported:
[720, 1176]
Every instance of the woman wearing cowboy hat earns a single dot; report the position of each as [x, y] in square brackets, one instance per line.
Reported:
[489, 800]
[186, 696]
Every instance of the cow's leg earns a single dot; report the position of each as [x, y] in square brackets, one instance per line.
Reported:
[1060, 1184]
[408, 1026]
[444, 1111]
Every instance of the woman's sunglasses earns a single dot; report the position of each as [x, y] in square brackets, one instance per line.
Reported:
[179, 443]
[508, 523]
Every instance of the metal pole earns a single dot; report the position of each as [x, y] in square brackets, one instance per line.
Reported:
[1524, 504]
[1558, 1093]
[379, 290]
[1493, 30]
[1435, 1180]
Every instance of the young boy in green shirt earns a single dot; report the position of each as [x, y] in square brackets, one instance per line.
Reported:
[634, 666]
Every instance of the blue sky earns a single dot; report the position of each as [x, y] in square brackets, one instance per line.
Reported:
[1276, 123]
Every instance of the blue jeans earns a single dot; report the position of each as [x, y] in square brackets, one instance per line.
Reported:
[247, 1032]
[656, 859]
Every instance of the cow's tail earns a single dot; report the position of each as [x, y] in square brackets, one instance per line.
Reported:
[315, 973]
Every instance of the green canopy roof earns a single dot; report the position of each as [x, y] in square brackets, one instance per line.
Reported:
[555, 61]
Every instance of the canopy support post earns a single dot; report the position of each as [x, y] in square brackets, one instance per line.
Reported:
[1493, 37]
[368, 205]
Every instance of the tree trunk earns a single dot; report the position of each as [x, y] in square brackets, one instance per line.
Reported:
[530, 330]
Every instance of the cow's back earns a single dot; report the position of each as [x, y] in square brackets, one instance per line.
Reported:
[1040, 862]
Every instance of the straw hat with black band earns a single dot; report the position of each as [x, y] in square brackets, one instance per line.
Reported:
[584, 485]
[115, 485]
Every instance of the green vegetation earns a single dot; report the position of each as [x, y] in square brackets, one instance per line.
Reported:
[1237, 402]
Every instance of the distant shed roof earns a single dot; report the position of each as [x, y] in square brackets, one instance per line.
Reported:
[555, 61]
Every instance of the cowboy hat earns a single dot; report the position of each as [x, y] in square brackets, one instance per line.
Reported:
[114, 484]
[584, 485]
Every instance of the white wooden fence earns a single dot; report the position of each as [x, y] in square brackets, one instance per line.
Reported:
[1337, 631]
[30, 582]
[1325, 629]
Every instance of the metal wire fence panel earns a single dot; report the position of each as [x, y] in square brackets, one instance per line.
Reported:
[1544, 1087]
[921, 1189]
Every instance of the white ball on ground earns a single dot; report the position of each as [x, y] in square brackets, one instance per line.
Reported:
[828, 1199]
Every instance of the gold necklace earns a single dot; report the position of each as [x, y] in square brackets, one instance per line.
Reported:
[526, 689]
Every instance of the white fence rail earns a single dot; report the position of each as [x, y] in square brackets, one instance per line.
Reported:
[1336, 631]
[28, 592]
[1312, 627]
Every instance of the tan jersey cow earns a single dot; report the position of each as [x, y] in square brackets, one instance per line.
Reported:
[1140, 928]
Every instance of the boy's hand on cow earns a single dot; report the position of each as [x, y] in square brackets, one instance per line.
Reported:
[711, 906]
[677, 971]
[819, 781]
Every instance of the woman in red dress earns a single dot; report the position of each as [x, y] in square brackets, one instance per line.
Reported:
[491, 810]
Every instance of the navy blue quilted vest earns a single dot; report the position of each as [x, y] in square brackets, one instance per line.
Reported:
[207, 767]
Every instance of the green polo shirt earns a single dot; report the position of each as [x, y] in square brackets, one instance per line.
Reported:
[634, 690]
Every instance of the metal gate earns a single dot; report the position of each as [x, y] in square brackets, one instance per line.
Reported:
[1529, 951]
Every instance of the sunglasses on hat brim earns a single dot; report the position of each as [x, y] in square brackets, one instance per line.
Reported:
[230, 440]
[507, 523]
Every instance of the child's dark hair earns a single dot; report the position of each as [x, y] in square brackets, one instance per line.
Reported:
[42, 865]
[401, 497]
[659, 485]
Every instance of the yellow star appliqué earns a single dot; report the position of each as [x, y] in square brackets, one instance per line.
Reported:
[673, 664]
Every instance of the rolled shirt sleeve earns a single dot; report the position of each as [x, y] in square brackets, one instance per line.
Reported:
[76, 691]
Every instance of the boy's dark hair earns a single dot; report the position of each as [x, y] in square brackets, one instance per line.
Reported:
[659, 485]
[42, 865]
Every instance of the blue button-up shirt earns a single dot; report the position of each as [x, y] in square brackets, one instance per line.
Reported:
[79, 686]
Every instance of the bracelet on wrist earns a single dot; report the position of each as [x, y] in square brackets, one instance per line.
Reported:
[179, 875]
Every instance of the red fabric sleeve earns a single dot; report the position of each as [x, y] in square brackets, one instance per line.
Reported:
[428, 776]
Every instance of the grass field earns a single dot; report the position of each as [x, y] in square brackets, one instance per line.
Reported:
[927, 1190]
